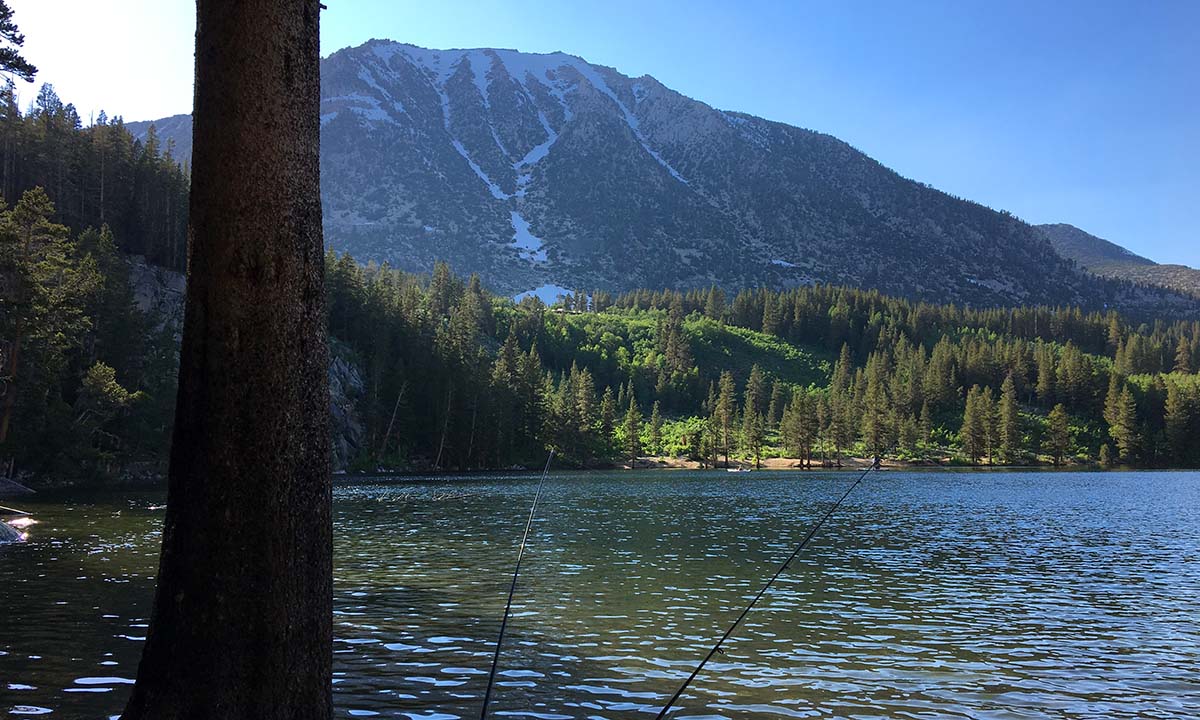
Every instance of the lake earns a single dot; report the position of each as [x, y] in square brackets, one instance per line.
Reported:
[927, 595]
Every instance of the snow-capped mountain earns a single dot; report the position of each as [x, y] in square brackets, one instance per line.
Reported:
[546, 170]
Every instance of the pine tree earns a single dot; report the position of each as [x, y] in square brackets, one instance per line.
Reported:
[1045, 374]
[608, 415]
[752, 417]
[714, 304]
[925, 425]
[808, 425]
[1121, 415]
[1183, 356]
[10, 57]
[907, 433]
[991, 419]
[1178, 420]
[1009, 421]
[840, 426]
[677, 346]
[941, 382]
[771, 316]
[1112, 398]
[585, 400]
[788, 430]
[631, 428]
[505, 384]
[47, 288]
[973, 432]
[724, 412]
[778, 404]
[1058, 435]
[876, 410]
[656, 422]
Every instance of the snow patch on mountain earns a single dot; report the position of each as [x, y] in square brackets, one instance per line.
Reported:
[530, 246]
[367, 76]
[548, 294]
[365, 106]
[543, 69]
[497, 193]
[538, 151]
[597, 82]
[481, 63]
[441, 63]
[499, 143]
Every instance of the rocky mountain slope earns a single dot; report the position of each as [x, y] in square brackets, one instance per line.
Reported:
[1108, 259]
[546, 171]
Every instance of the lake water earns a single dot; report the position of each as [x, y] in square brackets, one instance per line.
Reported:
[928, 595]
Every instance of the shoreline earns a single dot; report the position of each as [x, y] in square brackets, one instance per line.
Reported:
[646, 463]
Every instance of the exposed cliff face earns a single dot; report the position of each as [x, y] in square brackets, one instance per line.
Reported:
[345, 390]
[547, 171]
[160, 294]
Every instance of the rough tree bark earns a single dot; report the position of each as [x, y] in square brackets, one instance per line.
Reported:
[242, 620]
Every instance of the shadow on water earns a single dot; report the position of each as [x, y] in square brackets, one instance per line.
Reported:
[929, 594]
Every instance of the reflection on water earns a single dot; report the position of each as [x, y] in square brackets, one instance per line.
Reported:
[973, 595]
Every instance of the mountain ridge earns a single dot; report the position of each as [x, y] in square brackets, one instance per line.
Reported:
[543, 170]
[1108, 259]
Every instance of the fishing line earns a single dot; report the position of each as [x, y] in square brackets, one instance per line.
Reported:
[487, 696]
[717, 648]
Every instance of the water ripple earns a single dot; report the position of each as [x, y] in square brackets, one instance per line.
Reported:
[950, 595]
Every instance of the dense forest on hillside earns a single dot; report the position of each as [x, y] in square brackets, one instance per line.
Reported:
[97, 175]
[448, 376]
[457, 379]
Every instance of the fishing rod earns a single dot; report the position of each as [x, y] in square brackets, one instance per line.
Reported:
[487, 696]
[717, 648]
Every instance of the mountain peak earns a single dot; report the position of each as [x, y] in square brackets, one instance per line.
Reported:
[545, 170]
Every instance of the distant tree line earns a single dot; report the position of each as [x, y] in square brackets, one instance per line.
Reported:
[97, 175]
[459, 379]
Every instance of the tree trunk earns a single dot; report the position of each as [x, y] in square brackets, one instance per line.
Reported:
[437, 464]
[10, 394]
[242, 620]
[471, 437]
[391, 423]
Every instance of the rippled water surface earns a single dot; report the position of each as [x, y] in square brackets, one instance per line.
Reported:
[928, 595]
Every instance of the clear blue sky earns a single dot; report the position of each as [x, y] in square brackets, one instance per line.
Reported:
[1079, 112]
